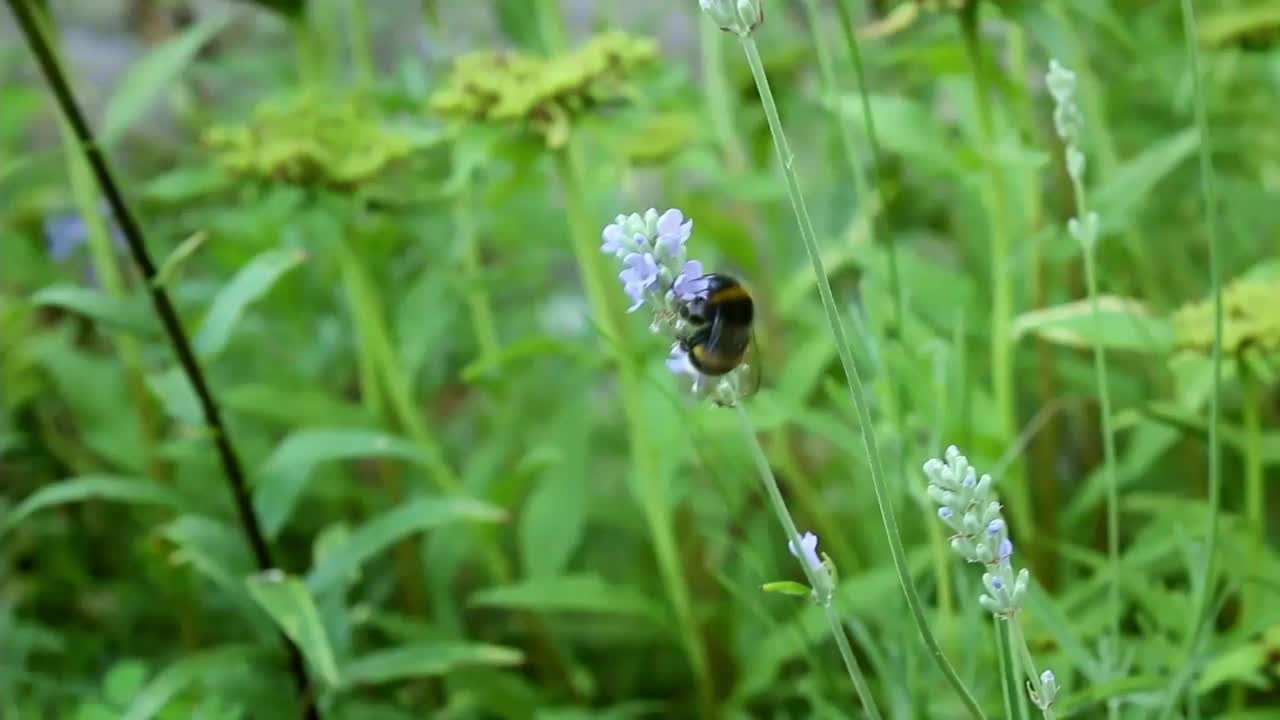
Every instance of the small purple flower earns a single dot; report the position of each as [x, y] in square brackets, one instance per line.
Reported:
[946, 513]
[673, 232]
[1006, 550]
[615, 239]
[997, 583]
[995, 526]
[808, 550]
[690, 283]
[640, 274]
[678, 362]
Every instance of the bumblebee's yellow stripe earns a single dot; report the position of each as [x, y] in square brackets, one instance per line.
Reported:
[730, 294]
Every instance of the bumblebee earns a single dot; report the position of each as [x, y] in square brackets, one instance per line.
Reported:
[721, 315]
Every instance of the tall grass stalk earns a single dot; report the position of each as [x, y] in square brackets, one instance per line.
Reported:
[1008, 681]
[1001, 279]
[34, 32]
[793, 536]
[882, 229]
[1202, 608]
[856, 391]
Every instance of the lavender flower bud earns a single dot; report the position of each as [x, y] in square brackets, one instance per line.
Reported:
[736, 16]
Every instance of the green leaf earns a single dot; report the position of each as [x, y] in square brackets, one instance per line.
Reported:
[1227, 24]
[177, 395]
[201, 667]
[147, 78]
[169, 268]
[787, 587]
[281, 479]
[1134, 182]
[1125, 325]
[123, 680]
[289, 603]
[215, 549]
[424, 513]
[92, 487]
[125, 313]
[426, 660]
[570, 593]
[252, 282]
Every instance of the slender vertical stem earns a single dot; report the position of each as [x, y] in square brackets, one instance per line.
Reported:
[1203, 606]
[1254, 503]
[857, 393]
[779, 505]
[1019, 643]
[884, 229]
[1108, 442]
[1008, 682]
[1001, 278]
[482, 322]
[24, 13]
[361, 45]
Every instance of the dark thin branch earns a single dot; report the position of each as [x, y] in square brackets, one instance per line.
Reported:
[27, 21]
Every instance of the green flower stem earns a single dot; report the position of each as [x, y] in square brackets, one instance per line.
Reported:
[1019, 642]
[651, 485]
[1108, 436]
[361, 47]
[1008, 684]
[1001, 279]
[793, 536]
[108, 270]
[856, 392]
[477, 293]
[34, 32]
[1203, 607]
[1254, 493]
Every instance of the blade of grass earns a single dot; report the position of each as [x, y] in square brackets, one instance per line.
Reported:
[1208, 190]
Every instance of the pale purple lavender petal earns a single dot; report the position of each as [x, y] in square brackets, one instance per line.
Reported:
[808, 550]
[690, 283]
[673, 232]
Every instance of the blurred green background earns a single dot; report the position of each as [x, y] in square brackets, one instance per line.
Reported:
[379, 222]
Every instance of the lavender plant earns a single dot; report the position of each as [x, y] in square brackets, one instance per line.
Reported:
[657, 273]
[742, 18]
[969, 506]
[1068, 122]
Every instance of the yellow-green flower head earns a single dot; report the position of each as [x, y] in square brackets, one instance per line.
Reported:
[542, 94]
[1250, 314]
[309, 139]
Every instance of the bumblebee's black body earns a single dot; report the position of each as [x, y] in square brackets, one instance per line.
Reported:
[722, 315]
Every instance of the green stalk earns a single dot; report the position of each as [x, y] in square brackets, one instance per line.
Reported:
[884, 229]
[817, 583]
[1108, 438]
[477, 294]
[1254, 504]
[654, 500]
[856, 391]
[108, 271]
[1204, 601]
[1254, 492]
[1007, 680]
[361, 47]
[1019, 641]
[376, 340]
[1001, 279]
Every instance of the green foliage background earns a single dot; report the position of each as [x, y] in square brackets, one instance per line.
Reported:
[475, 513]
